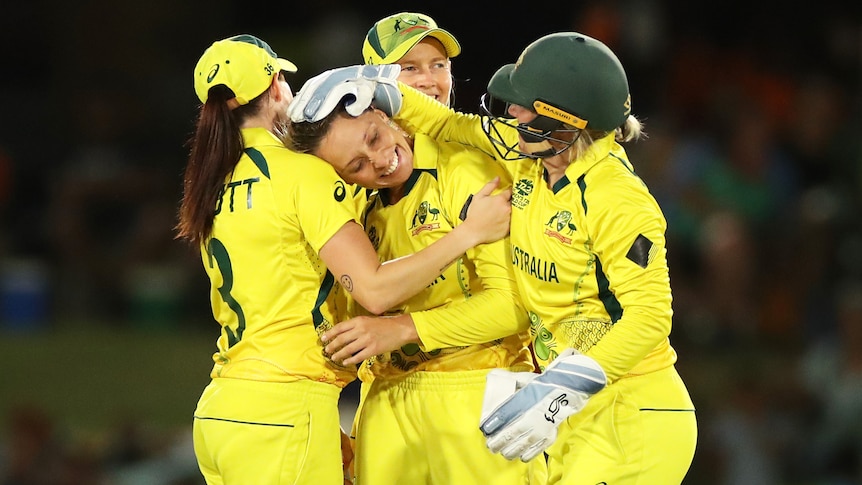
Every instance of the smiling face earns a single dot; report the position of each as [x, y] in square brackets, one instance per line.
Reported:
[427, 68]
[367, 151]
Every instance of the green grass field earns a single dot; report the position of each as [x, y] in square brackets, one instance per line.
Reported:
[89, 378]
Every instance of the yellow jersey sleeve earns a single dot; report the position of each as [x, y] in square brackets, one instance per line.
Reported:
[631, 248]
[422, 114]
[324, 203]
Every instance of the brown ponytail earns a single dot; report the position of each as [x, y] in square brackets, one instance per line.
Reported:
[216, 147]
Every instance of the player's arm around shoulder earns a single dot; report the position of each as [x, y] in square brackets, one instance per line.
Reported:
[422, 114]
[463, 170]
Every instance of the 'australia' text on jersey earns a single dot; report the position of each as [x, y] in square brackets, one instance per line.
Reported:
[533, 266]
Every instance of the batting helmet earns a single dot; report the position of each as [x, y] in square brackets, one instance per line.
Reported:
[569, 77]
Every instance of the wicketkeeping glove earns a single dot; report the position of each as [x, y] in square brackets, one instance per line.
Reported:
[356, 87]
[526, 422]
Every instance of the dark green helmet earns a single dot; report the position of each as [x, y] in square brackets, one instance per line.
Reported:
[569, 77]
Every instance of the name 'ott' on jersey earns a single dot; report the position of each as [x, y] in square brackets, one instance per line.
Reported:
[230, 189]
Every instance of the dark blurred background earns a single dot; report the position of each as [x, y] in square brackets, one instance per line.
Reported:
[753, 111]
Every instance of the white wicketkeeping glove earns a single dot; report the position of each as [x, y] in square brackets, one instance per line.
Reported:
[356, 87]
[526, 421]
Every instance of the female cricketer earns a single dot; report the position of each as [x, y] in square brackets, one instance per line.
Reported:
[277, 236]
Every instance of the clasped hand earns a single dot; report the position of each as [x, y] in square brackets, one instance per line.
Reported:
[354, 340]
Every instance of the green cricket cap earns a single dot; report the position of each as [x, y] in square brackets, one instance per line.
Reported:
[392, 37]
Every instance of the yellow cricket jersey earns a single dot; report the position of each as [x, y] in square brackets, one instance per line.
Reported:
[589, 253]
[476, 295]
[271, 293]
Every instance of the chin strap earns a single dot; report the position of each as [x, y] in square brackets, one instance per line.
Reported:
[541, 149]
[536, 136]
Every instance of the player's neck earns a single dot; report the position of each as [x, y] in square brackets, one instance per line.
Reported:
[396, 193]
[555, 167]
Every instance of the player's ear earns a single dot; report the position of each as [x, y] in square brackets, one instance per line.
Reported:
[278, 89]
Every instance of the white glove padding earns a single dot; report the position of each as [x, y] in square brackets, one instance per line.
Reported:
[525, 424]
[500, 385]
[358, 87]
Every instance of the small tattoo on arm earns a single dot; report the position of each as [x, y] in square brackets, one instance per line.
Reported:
[346, 283]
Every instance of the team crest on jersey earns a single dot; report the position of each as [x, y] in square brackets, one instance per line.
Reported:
[424, 217]
[520, 193]
[560, 226]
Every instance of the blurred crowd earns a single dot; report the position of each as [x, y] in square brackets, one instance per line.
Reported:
[754, 151]
[39, 451]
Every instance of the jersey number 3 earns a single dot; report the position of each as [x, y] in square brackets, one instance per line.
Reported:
[216, 251]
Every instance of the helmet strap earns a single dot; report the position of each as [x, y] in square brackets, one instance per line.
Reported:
[536, 135]
[540, 149]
